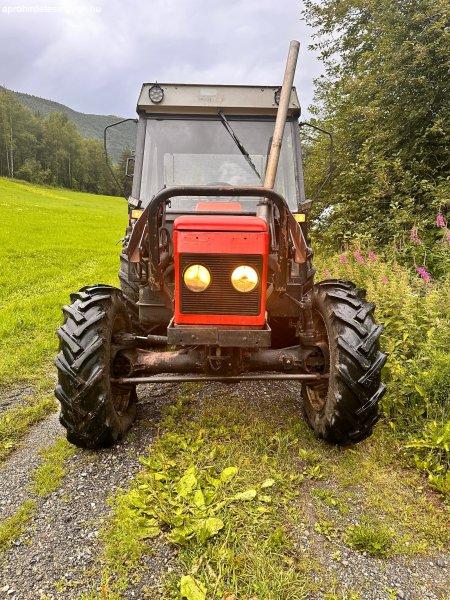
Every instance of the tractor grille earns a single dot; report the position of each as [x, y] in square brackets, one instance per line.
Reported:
[220, 298]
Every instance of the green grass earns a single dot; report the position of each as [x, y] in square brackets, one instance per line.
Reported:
[15, 422]
[12, 527]
[52, 242]
[370, 537]
[330, 499]
[48, 475]
[235, 532]
[216, 485]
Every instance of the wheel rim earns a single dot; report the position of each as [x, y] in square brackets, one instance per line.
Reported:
[317, 394]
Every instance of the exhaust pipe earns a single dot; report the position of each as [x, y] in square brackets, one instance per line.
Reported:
[286, 89]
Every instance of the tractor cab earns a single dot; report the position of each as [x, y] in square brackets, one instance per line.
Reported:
[194, 135]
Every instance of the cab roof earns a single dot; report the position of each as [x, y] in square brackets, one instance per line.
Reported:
[181, 98]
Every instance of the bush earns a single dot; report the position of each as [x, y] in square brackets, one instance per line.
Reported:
[33, 172]
[414, 313]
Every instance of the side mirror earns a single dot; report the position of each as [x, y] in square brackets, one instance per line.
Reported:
[129, 167]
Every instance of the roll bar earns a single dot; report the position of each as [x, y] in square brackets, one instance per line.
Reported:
[153, 217]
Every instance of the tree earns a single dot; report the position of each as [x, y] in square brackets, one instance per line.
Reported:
[385, 98]
[19, 132]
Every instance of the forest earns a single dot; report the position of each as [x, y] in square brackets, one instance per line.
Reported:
[49, 150]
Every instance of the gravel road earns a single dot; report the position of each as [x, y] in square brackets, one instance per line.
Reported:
[57, 555]
[60, 546]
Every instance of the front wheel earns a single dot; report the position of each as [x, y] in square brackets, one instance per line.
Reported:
[345, 409]
[95, 411]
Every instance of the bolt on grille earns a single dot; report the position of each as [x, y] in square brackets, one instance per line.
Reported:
[220, 298]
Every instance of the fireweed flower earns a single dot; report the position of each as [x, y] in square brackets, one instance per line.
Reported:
[372, 256]
[343, 259]
[440, 220]
[326, 273]
[414, 236]
[423, 274]
[384, 280]
[358, 256]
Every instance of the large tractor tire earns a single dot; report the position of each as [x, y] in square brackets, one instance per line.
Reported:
[344, 410]
[95, 412]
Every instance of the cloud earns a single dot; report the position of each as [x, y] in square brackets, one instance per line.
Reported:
[94, 55]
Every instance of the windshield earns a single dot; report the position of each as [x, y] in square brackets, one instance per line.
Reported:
[200, 151]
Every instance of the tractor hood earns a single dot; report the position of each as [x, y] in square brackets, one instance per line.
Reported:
[220, 223]
[220, 246]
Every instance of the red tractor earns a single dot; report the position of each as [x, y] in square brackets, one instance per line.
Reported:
[217, 281]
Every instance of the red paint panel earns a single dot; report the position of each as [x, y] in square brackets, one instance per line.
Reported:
[219, 223]
[220, 242]
[202, 234]
[218, 207]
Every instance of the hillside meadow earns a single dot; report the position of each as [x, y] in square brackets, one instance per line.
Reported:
[52, 241]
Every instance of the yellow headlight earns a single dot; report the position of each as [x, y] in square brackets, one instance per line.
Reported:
[244, 278]
[197, 278]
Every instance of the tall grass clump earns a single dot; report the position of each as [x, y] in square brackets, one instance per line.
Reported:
[414, 309]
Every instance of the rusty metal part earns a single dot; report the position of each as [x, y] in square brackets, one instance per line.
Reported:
[225, 337]
[129, 340]
[311, 332]
[136, 247]
[224, 378]
[284, 359]
[286, 90]
[196, 360]
[318, 360]
[178, 361]
[154, 340]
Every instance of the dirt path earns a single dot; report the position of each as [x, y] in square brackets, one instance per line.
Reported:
[57, 555]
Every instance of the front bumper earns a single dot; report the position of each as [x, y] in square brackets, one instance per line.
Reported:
[217, 335]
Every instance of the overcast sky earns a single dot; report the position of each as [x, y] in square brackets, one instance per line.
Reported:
[94, 56]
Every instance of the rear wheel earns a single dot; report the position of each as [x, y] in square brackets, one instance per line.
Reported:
[95, 411]
[344, 410]
[129, 288]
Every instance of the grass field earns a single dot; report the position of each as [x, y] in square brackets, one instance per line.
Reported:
[52, 242]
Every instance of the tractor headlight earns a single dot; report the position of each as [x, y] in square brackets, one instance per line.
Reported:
[197, 278]
[244, 278]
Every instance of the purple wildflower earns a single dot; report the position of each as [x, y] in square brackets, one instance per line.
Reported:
[440, 220]
[414, 236]
[326, 273]
[372, 256]
[423, 274]
[384, 280]
[343, 259]
[358, 256]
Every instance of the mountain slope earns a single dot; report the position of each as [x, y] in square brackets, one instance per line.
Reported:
[88, 125]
